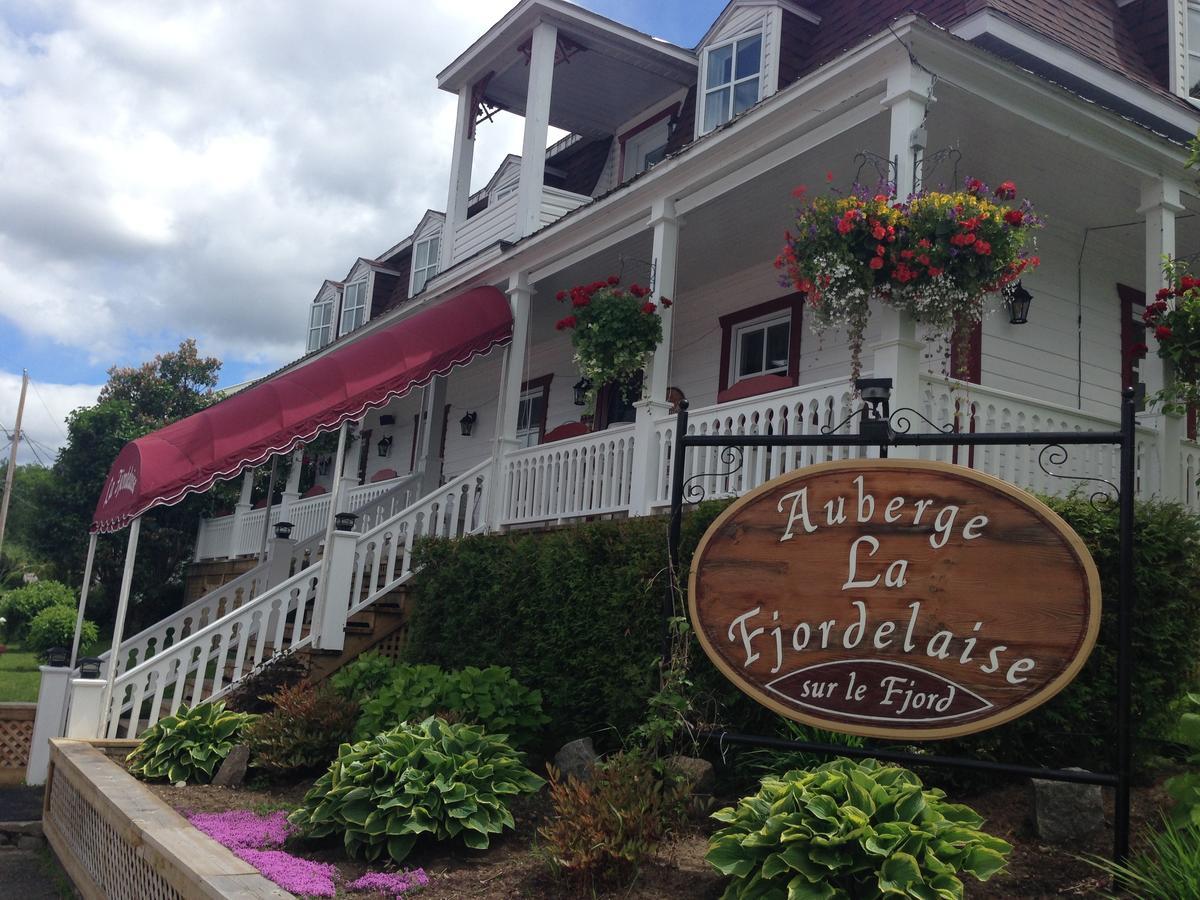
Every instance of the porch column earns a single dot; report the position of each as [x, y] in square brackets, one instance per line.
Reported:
[291, 488]
[240, 512]
[544, 44]
[520, 298]
[897, 354]
[1160, 205]
[462, 159]
[114, 656]
[653, 404]
[429, 450]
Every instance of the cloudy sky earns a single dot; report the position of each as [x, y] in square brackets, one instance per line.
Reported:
[195, 169]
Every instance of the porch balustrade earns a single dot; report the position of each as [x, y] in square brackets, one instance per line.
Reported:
[499, 222]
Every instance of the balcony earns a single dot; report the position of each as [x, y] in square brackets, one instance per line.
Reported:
[499, 222]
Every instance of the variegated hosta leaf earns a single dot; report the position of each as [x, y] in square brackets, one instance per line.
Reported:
[190, 745]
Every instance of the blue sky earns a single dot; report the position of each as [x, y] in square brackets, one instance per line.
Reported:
[182, 170]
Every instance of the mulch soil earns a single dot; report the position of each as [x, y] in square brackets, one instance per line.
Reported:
[516, 866]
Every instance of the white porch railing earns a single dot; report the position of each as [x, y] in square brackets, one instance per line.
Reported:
[499, 222]
[584, 476]
[1189, 461]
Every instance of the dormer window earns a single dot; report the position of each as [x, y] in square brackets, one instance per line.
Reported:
[732, 82]
[320, 325]
[424, 263]
[354, 306]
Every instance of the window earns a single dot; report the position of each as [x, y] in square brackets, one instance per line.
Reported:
[354, 306]
[320, 325]
[762, 348]
[425, 263]
[531, 413]
[731, 79]
[645, 148]
[1193, 45]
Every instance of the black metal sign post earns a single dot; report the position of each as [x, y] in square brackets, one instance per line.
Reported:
[881, 429]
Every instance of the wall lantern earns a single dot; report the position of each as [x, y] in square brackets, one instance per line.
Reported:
[1018, 304]
[283, 530]
[89, 667]
[344, 521]
[385, 445]
[876, 395]
[467, 423]
[581, 388]
[57, 656]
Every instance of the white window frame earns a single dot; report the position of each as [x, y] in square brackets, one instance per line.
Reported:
[323, 331]
[531, 429]
[421, 274]
[637, 147]
[762, 325]
[705, 91]
[356, 313]
[1192, 34]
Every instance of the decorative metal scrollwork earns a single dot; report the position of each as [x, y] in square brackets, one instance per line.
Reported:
[834, 429]
[899, 422]
[930, 163]
[693, 487]
[884, 167]
[1057, 455]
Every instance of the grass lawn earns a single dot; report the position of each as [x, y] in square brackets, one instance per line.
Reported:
[19, 676]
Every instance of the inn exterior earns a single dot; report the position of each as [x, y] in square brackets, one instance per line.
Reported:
[440, 355]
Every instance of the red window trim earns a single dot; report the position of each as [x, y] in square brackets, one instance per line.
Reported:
[1130, 297]
[973, 370]
[542, 382]
[671, 110]
[793, 302]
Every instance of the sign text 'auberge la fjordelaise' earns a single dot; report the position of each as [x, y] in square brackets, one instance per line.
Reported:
[895, 598]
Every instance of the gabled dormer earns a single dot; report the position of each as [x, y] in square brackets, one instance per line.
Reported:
[367, 281]
[322, 314]
[426, 252]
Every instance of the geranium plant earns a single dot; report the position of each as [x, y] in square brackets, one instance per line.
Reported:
[1174, 319]
[937, 255]
[613, 330]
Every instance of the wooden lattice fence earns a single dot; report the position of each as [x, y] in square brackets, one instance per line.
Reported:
[16, 736]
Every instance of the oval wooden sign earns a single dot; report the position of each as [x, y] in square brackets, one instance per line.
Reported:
[895, 598]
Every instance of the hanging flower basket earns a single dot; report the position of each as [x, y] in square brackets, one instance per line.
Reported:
[1174, 320]
[937, 256]
[613, 330]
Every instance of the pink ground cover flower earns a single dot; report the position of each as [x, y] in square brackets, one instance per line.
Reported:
[243, 828]
[300, 876]
[395, 883]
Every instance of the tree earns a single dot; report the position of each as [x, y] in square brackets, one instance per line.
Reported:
[134, 402]
[17, 556]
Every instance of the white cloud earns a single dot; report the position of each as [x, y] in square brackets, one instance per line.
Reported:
[197, 168]
[43, 428]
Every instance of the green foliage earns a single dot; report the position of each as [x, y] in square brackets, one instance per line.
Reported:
[188, 746]
[491, 697]
[609, 825]
[363, 677]
[302, 733]
[1168, 868]
[850, 830]
[22, 605]
[435, 779]
[253, 693]
[762, 761]
[1185, 789]
[54, 626]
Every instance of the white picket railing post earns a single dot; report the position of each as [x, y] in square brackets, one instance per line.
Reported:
[279, 561]
[329, 621]
[49, 721]
[240, 512]
[83, 720]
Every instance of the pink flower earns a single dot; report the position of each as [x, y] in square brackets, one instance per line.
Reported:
[396, 883]
[300, 876]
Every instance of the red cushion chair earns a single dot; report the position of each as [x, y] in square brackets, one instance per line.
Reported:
[315, 491]
[564, 431]
[383, 475]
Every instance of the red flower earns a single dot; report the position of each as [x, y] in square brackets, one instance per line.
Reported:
[1014, 217]
[1163, 333]
[1148, 315]
[637, 290]
[844, 226]
[829, 175]
[880, 249]
[666, 304]
[1187, 282]
[934, 271]
[648, 308]
[613, 280]
[974, 186]
[1139, 351]
[799, 191]
[876, 262]
[983, 248]
[878, 232]
[560, 296]
[924, 243]
[923, 259]
[580, 302]
[906, 254]
[568, 322]
[1006, 191]
[1162, 293]
[1159, 306]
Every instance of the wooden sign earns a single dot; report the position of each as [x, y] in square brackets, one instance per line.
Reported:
[895, 598]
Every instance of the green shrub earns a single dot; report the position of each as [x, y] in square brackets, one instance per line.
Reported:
[489, 697]
[54, 626]
[188, 746]
[275, 673]
[359, 680]
[1167, 868]
[24, 603]
[434, 779]
[850, 829]
[1185, 788]
[303, 731]
[608, 826]
[762, 761]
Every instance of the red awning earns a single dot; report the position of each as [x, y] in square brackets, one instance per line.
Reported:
[295, 406]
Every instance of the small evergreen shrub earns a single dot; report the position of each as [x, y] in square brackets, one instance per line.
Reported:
[850, 829]
[437, 779]
[188, 746]
[359, 680]
[54, 626]
[303, 731]
[608, 826]
[22, 605]
[252, 694]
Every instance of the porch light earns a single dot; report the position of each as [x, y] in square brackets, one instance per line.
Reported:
[876, 395]
[283, 530]
[467, 423]
[57, 656]
[385, 445]
[344, 521]
[581, 388]
[1018, 304]
[89, 667]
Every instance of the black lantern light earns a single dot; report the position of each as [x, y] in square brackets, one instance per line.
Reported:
[1018, 304]
[385, 445]
[283, 530]
[876, 395]
[581, 388]
[57, 656]
[467, 423]
[344, 521]
[89, 667]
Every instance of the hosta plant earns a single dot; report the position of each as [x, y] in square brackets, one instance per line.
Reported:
[190, 745]
[363, 677]
[850, 830]
[437, 779]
